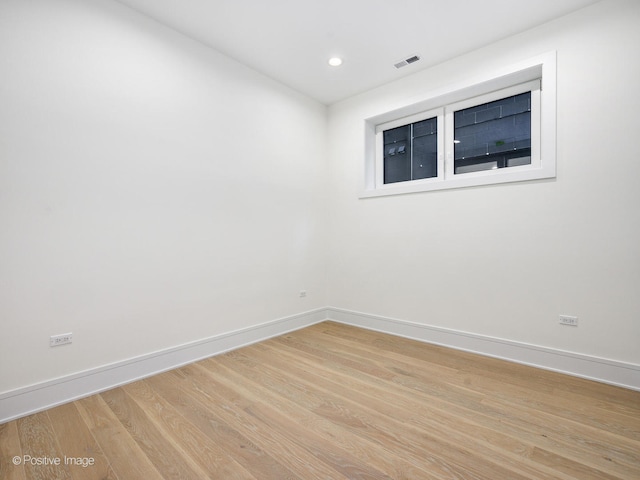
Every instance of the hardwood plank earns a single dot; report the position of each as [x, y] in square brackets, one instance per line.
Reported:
[300, 408]
[152, 441]
[584, 412]
[9, 448]
[599, 455]
[39, 442]
[235, 408]
[186, 437]
[250, 456]
[303, 446]
[479, 367]
[571, 467]
[127, 459]
[84, 457]
[338, 450]
[385, 414]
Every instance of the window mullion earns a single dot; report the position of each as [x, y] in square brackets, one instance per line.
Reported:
[448, 143]
[411, 155]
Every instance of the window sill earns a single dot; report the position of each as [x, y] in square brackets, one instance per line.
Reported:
[460, 181]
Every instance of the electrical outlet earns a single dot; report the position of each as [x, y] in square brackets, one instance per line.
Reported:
[568, 320]
[62, 339]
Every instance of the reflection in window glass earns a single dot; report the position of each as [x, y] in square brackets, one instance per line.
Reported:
[411, 151]
[493, 135]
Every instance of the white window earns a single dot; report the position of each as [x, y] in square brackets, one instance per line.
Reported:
[409, 149]
[495, 130]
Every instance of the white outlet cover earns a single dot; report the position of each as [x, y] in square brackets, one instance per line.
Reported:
[62, 339]
[568, 320]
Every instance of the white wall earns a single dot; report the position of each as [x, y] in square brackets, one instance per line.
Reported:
[152, 191]
[504, 261]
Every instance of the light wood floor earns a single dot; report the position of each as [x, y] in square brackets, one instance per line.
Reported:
[336, 402]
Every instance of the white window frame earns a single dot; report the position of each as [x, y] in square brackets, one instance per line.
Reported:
[537, 75]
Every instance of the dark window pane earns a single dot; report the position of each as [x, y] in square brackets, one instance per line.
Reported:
[397, 154]
[411, 151]
[425, 156]
[425, 127]
[493, 135]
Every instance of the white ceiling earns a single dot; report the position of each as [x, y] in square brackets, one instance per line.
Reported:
[291, 40]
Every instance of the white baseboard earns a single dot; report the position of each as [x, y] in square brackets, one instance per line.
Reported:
[603, 370]
[27, 400]
[35, 398]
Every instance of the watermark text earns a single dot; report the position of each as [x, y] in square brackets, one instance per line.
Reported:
[83, 462]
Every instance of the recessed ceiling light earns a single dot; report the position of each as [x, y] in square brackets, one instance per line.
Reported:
[335, 61]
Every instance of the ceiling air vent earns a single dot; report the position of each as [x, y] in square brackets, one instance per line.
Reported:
[407, 61]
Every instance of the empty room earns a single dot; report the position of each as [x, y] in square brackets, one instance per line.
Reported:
[337, 239]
